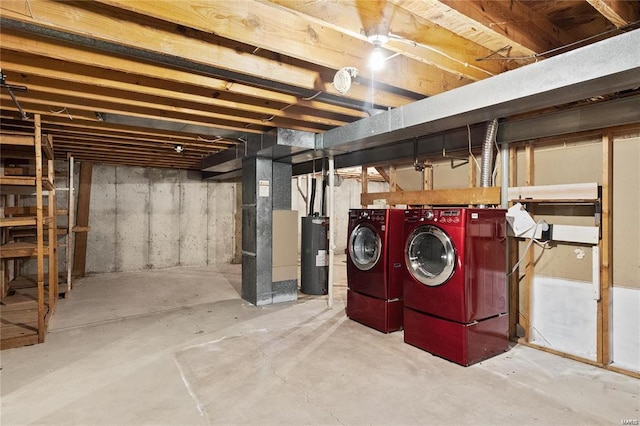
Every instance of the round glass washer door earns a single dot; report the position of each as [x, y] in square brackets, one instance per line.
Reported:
[430, 255]
[364, 247]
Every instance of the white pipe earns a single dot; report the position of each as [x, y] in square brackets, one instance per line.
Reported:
[304, 197]
[504, 171]
[332, 227]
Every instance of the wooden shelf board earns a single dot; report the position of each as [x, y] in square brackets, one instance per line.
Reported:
[18, 221]
[18, 180]
[19, 321]
[17, 139]
[20, 249]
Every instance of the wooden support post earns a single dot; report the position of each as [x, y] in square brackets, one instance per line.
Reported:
[82, 219]
[603, 340]
[365, 182]
[528, 280]
[393, 179]
[514, 281]
[473, 172]
[53, 242]
[427, 174]
[39, 228]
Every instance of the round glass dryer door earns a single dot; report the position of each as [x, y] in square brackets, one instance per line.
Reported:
[430, 255]
[364, 247]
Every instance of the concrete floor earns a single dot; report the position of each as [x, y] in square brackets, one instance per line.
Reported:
[180, 347]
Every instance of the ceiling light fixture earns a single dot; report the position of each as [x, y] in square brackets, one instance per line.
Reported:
[342, 79]
[178, 148]
[377, 58]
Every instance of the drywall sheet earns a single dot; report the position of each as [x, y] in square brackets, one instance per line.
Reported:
[626, 212]
[626, 327]
[564, 316]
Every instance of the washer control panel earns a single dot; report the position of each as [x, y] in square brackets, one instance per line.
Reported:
[444, 216]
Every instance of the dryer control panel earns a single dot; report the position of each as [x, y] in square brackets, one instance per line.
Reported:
[372, 215]
[443, 216]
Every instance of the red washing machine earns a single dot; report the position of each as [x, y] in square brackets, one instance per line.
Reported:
[455, 286]
[374, 268]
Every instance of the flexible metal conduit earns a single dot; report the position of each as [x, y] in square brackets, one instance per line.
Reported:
[487, 153]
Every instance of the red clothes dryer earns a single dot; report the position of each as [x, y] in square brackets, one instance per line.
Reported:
[455, 288]
[375, 268]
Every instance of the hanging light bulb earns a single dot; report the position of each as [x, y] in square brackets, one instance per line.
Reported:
[377, 58]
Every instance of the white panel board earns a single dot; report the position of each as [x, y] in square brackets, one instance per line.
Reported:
[626, 328]
[564, 316]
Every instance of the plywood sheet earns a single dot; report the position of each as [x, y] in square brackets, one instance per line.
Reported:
[626, 213]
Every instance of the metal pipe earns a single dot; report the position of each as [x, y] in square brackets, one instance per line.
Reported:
[332, 234]
[313, 197]
[487, 153]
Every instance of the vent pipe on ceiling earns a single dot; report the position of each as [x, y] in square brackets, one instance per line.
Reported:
[486, 172]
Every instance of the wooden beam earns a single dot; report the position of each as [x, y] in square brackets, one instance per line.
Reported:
[464, 26]
[364, 181]
[68, 74]
[391, 178]
[529, 266]
[39, 229]
[514, 281]
[105, 24]
[427, 174]
[606, 254]
[618, 12]
[82, 218]
[430, 43]
[434, 197]
[515, 20]
[259, 24]
[43, 47]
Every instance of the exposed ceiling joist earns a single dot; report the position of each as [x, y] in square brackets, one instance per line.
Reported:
[618, 12]
[207, 74]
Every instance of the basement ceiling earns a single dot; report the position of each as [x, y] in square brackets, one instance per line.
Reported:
[125, 82]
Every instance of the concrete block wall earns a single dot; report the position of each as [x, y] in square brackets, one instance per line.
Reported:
[143, 218]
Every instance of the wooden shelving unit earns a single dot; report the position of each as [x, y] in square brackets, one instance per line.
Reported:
[28, 231]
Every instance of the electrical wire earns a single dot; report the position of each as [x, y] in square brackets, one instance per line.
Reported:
[526, 250]
[470, 153]
[556, 49]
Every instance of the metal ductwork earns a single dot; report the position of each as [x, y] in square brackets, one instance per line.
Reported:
[487, 153]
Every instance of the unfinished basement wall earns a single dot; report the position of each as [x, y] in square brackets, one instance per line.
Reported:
[347, 196]
[563, 311]
[144, 218]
